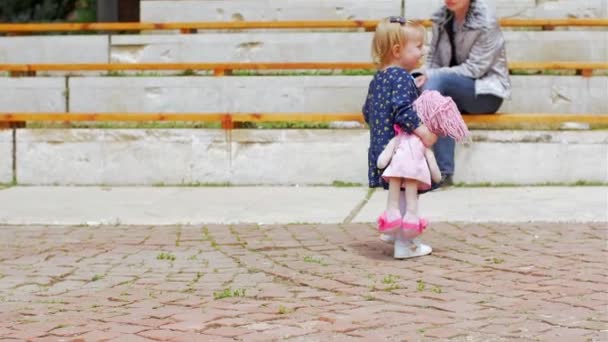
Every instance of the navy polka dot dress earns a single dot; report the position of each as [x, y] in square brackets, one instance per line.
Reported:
[390, 99]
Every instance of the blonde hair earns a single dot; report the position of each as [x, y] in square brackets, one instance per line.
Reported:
[389, 33]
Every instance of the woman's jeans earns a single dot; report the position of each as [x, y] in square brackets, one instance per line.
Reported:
[462, 90]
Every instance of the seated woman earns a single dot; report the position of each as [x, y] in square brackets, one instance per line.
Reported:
[466, 61]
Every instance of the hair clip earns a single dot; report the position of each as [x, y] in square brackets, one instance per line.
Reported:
[397, 19]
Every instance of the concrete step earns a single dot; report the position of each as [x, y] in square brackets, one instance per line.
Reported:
[521, 8]
[252, 10]
[282, 157]
[29, 94]
[341, 94]
[344, 94]
[522, 46]
[55, 49]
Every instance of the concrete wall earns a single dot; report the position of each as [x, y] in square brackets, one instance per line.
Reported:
[31, 94]
[518, 157]
[334, 46]
[531, 94]
[119, 157]
[299, 156]
[6, 156]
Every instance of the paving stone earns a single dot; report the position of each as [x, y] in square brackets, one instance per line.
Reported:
[490, 283]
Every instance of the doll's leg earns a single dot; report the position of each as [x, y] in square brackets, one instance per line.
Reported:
[406, 246]
[394, 190]
[411, 197]
[402, 202]
[433, 167]
[390, 237]
[411, 222]
[391, 218]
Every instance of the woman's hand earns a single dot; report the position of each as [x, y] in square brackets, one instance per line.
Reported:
[420, 81]
[428, 138]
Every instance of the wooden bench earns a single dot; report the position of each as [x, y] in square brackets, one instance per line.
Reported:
[223, 69]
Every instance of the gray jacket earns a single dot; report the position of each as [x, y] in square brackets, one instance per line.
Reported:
[479, 46]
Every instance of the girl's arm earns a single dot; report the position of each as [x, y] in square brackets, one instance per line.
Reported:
[432, 162]
[404, 94]
[428, 138]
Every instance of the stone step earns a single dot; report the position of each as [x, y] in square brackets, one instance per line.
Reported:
[262, 10]
[54, 49]
[257, 10]
[282, 157]
[33, 94]
[289, 94]
[530, 9]
[343, 94]
[522, 46]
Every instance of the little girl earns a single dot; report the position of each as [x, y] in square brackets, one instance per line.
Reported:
[396, 48]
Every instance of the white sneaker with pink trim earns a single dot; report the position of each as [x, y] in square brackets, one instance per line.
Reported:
[405, 249]
[387, 238]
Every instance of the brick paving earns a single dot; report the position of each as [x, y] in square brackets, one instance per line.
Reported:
[484, 282]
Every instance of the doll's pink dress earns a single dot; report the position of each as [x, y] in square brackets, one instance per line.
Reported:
[408, 161]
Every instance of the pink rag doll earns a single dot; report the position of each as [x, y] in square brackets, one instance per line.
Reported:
[412, 165]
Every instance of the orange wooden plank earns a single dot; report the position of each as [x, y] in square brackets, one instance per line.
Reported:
[218, 25]
[563, 65]
[304, 117]
[218, 67]
[283, 117]
[202, 117]
[211, 117]
[535, 118]
[235, 25]
[585, 22]
[183, 66]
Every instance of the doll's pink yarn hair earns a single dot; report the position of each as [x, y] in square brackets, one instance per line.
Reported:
[440, 114]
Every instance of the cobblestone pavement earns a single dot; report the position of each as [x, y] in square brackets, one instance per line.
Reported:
[484, 282]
